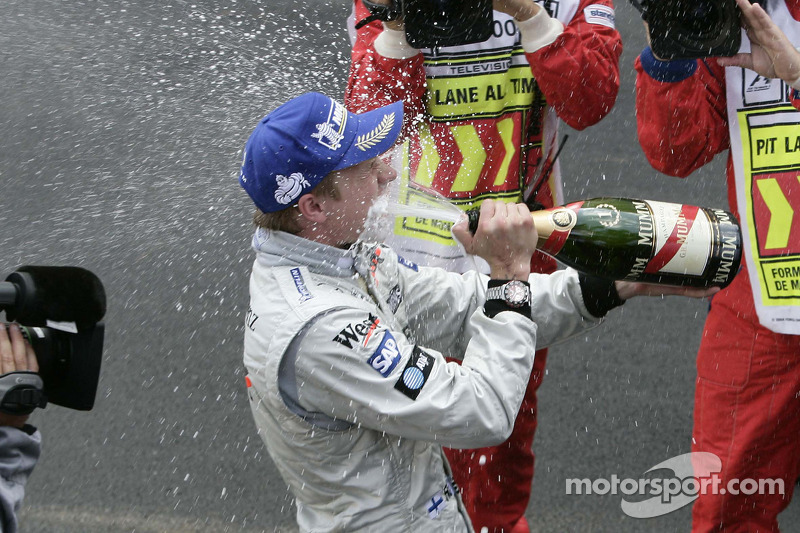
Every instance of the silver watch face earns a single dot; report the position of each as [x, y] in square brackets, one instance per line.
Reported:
[515, 293]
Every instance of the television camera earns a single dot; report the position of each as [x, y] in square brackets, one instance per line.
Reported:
[691, 29]
[60, 311]
[435, 23]
[678, 29]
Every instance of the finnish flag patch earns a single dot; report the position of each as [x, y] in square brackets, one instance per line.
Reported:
[436, 505]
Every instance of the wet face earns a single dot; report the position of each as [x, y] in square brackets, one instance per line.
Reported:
[358, 186]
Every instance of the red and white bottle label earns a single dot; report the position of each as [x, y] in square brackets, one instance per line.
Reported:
[682, 235]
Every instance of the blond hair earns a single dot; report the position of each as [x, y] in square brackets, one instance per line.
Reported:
[287, 219]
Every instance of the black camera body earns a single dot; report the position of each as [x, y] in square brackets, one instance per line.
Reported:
[691, 29]
[437, 23]
[60, 311]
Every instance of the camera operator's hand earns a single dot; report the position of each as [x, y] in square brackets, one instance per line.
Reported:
[771, 53]
[519, 9]
[15, 355]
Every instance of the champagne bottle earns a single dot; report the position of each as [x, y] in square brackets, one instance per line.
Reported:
[641, 240]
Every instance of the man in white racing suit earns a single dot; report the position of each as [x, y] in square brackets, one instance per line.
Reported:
[345, 341]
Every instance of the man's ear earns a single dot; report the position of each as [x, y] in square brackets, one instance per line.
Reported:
[311, 209]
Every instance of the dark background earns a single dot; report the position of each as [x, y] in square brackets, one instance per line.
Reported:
[122, 123]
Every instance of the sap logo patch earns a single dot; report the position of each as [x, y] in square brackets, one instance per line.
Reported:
[300, 284]
[599, 14]
[415, 373]
[386, 356]
[353, 334]
[408, 264]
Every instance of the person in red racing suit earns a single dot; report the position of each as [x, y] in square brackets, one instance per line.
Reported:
[482, 120]
[747, 409]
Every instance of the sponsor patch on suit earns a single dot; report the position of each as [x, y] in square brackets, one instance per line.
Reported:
[395, 298]
[353, 334]
[599, 14]
[415, 374]
[386, 356]
[408, 264]
[300, 285]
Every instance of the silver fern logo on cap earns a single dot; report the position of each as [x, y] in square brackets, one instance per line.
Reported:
[378, 133]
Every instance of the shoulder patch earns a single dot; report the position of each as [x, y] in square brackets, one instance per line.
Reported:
[300, 285]
[415, 374]
[386, 356]
[395, 298]
[408, 264]
[599, 14]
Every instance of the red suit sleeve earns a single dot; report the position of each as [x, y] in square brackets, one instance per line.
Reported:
[681, 124]
[376, 81]
[579, 72]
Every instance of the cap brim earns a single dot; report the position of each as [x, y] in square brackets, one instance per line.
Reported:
[376, 133]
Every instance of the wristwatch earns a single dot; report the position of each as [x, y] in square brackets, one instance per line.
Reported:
[514, 293]
[507, 295]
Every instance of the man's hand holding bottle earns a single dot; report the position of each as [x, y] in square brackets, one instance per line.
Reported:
[506, 237]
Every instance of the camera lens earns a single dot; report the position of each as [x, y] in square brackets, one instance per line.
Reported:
[694, 28]
[700, 19]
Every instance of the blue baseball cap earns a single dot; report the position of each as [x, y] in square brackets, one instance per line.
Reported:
[293, 148]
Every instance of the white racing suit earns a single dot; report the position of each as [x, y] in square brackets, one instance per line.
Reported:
[350, 389]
